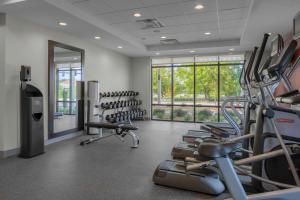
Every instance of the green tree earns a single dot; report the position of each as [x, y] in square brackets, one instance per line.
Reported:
[184, 82]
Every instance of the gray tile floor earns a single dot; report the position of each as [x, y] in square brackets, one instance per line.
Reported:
[108, 169]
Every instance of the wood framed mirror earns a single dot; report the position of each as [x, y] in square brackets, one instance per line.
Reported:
[65, 68]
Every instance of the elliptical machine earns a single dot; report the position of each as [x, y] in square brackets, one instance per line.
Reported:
[269, 121]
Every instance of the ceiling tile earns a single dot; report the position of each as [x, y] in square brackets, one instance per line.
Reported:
[93, 6]
[229, 4]
[231, 33]
[182, 8]
[183, 29]
[124, 4]
[238, 23]
[240, 13]
[194, 36]
[173, 21]
[124, 16]
[202, 17]
[158, 2]
[131, 27]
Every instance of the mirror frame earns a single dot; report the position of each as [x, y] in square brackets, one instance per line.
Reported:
[51, 89]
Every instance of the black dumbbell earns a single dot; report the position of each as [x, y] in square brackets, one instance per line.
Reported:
[106, 105]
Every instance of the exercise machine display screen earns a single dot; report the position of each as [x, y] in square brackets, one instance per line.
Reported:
[296, 26]
[275, 46]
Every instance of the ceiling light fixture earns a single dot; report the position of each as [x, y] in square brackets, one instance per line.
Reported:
[120, 47]
[75, 58]
[157, 53]
[207, 33]
[163, 37]
[137, 14]
[97, 37]
[192, 51]
[62, 23]
[199, 7]
[7, 2]
[232, 49]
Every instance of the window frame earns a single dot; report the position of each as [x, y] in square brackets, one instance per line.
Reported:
[172, 65]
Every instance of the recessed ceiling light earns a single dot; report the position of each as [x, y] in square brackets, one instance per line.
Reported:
[270, 33]
[157, 53]
[192, 51]
[97, 37]
[137, 14]
[120, 47]
[232, 49]
[199, 7]
[163, 37]
[207, 33]
[62, 23]
[75, 58]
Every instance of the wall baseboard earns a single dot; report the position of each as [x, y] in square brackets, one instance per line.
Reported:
[15, 152]
[9, 153]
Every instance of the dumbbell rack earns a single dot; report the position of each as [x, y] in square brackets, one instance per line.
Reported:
[120, 107]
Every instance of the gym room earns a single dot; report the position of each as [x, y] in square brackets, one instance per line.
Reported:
[149, 99]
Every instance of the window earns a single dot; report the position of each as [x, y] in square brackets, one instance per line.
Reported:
[192, 89]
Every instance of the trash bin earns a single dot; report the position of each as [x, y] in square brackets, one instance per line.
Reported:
[32, 121]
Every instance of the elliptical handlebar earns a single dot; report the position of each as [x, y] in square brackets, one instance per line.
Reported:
[250, 64]
[259, 57]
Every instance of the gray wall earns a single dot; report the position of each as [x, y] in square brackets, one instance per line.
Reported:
[141, 80]
[27, 44]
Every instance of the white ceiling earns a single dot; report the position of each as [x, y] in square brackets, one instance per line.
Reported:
[237, 24]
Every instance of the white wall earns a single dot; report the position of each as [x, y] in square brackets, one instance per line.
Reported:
[27, 44]
[141, 80]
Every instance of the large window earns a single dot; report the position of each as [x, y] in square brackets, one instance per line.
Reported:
[192, 89]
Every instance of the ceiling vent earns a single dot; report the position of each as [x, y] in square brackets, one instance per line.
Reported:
[169, 41]
[150, 23]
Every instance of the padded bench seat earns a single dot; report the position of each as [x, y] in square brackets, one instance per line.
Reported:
[120, 129]
[107, 125]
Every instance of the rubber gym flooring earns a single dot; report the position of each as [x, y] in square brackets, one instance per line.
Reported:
[105, 170]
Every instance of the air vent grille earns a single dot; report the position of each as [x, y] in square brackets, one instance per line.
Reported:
[149, 23]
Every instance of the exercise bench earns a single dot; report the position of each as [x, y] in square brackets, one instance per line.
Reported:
[120, 130]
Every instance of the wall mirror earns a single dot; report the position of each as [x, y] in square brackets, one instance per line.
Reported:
[65, 70]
